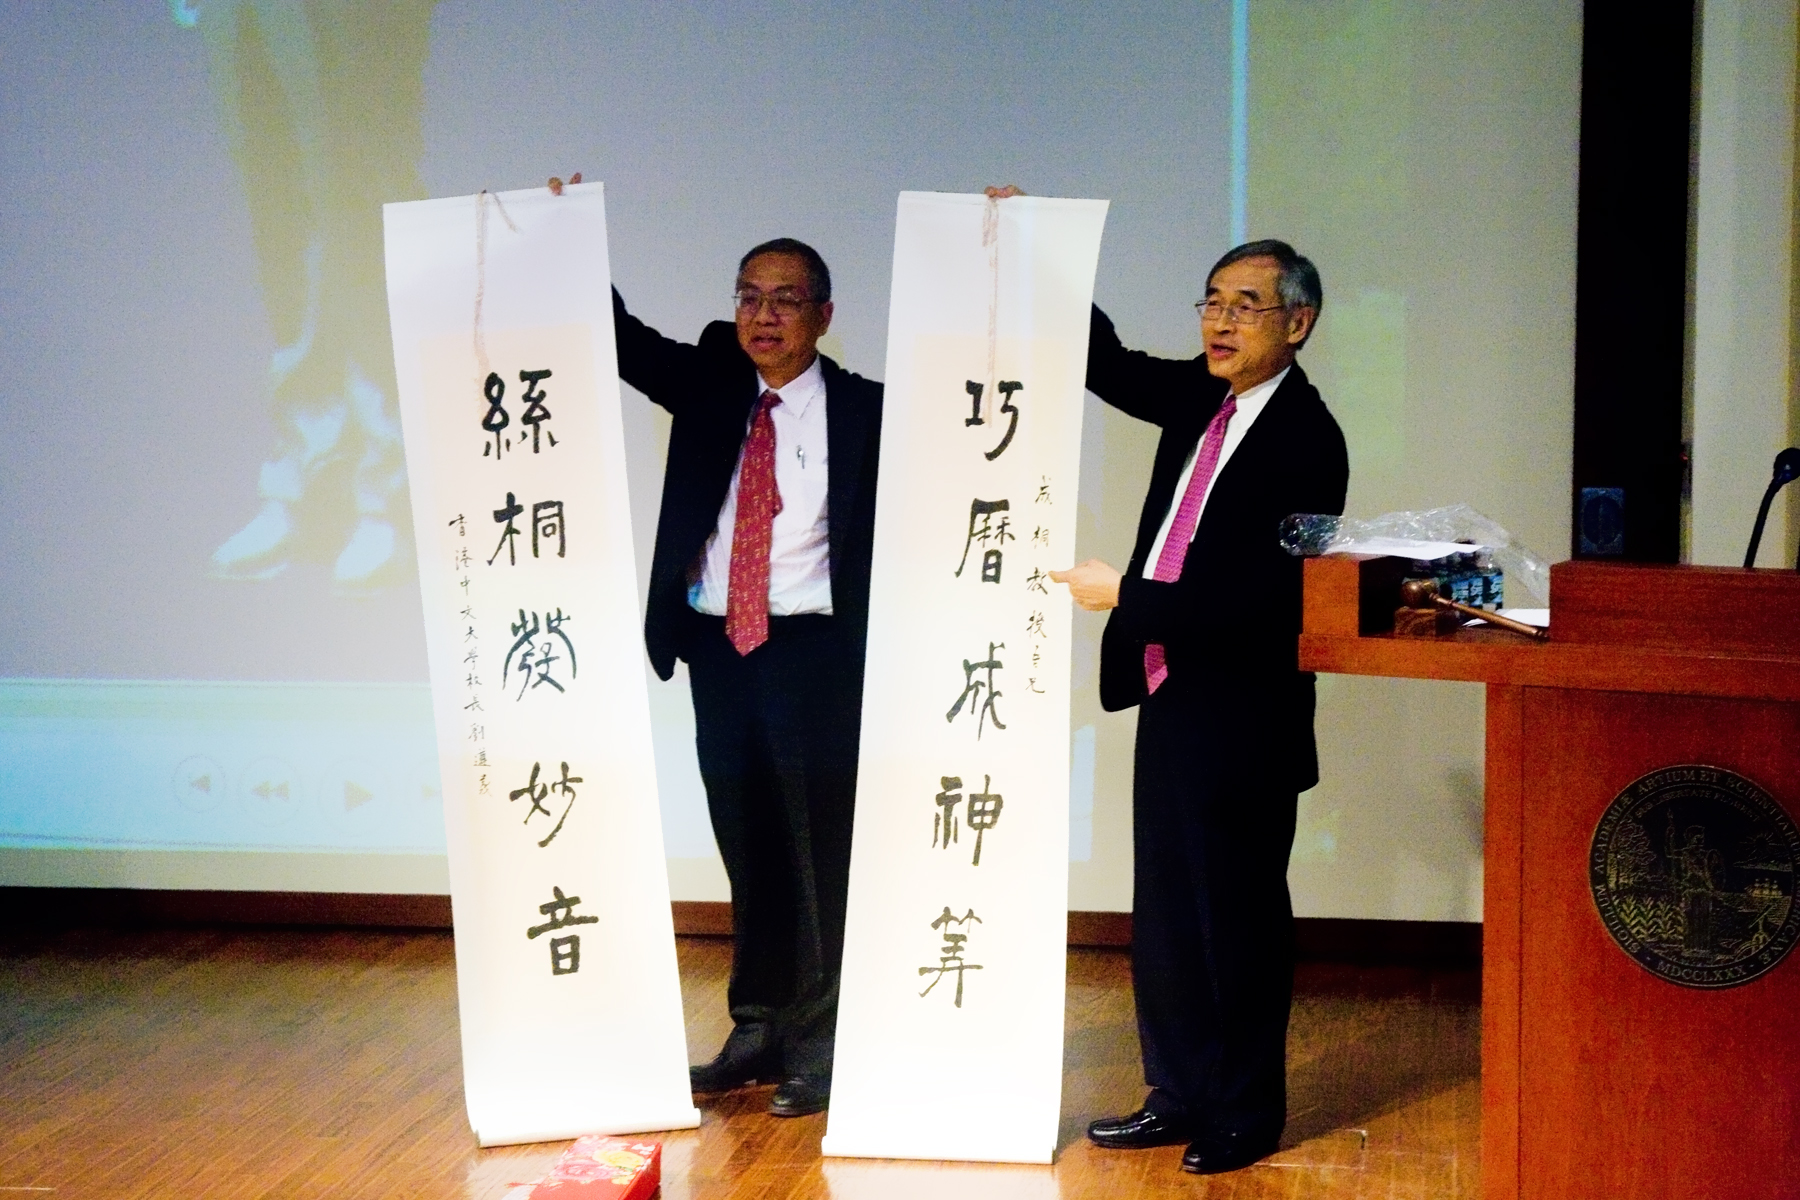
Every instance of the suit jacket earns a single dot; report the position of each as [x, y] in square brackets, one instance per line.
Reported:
[1230, 624]
[709, 389]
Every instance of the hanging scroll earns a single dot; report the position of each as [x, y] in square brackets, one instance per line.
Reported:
[566, 978]
[950, 1023]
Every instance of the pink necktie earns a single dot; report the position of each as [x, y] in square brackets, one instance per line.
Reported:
[1181, 532]
[758, 500]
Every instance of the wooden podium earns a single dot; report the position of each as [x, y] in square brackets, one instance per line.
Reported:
[1601, 1079]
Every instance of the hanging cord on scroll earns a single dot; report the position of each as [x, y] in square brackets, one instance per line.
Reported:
[990, 241]
[477, 326]
[483, 200]
[1471, 560]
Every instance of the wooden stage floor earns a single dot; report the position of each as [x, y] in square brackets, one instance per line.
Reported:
[291, 1063]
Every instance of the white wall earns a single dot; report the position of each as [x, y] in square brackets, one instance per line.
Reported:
[1743, 277]
[1424, 155]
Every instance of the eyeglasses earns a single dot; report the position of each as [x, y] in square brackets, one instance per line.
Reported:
[786, 305]
[1236, 314]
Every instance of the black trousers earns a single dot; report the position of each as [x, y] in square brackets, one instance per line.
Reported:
[776, 731]
[1212, 953]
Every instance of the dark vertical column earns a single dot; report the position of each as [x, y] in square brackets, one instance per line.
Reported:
[1637, 65]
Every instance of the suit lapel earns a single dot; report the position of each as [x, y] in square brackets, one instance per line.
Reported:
[1258, 445]
[1178, 444]
[733, 429]
[1171, 456]
[1180, 436]
[845, 442]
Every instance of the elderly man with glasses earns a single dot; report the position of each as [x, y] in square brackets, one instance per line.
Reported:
[1203, 638]
[760, 583]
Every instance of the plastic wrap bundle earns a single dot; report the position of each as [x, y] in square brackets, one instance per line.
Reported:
[1306, 534]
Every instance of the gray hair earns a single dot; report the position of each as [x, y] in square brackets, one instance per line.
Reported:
[1297, 280]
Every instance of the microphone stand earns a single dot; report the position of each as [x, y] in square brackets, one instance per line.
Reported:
[1762, 515]
[1787, 466]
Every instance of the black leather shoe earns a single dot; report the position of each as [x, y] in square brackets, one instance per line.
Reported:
[1219, 1151]
[1140, 1130]
[800, 1096]
[749, 1054]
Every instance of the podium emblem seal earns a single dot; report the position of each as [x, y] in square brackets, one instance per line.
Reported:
[1693, 869]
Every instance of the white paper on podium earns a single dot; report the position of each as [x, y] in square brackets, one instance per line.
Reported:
[949, 1042]
[565, 954]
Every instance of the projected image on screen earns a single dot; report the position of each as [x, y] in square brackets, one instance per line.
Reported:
[321, 106]
[210, 567]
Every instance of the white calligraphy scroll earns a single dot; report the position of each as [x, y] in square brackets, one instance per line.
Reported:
[509, 394]
[950, 1023]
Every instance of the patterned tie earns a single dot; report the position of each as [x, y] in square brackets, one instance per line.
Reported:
[1181, 532]
[758, 500]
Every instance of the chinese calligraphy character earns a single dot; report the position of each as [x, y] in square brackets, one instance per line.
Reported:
[539, 657]
[505, 516]
[982, 530]
[980, 707]
[951, 956]
[565, 951]
[1006, 388]
[535, 413]
[495, 419]
[1035, 582]
[546, 523]
[539, 792]
[945, 819]
[1040, 537]
[460, 563]
[1043, 494]
[983, 813]
[1034, 624]
[547, 519]
[478, 735]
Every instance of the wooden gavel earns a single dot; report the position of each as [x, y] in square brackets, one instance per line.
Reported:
[1423, 594]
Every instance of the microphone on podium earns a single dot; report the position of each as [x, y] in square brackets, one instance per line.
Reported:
[1787, 466]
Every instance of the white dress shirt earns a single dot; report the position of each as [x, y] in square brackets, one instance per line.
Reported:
[1249, 407]
[799, 542]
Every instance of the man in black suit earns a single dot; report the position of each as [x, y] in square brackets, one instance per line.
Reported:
[1203, 637]
[760, 582]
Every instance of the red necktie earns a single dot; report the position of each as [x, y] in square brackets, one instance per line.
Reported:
[758, 500]
[1181, 531]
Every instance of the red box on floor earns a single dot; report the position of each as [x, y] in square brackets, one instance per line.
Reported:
[603, 1167]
